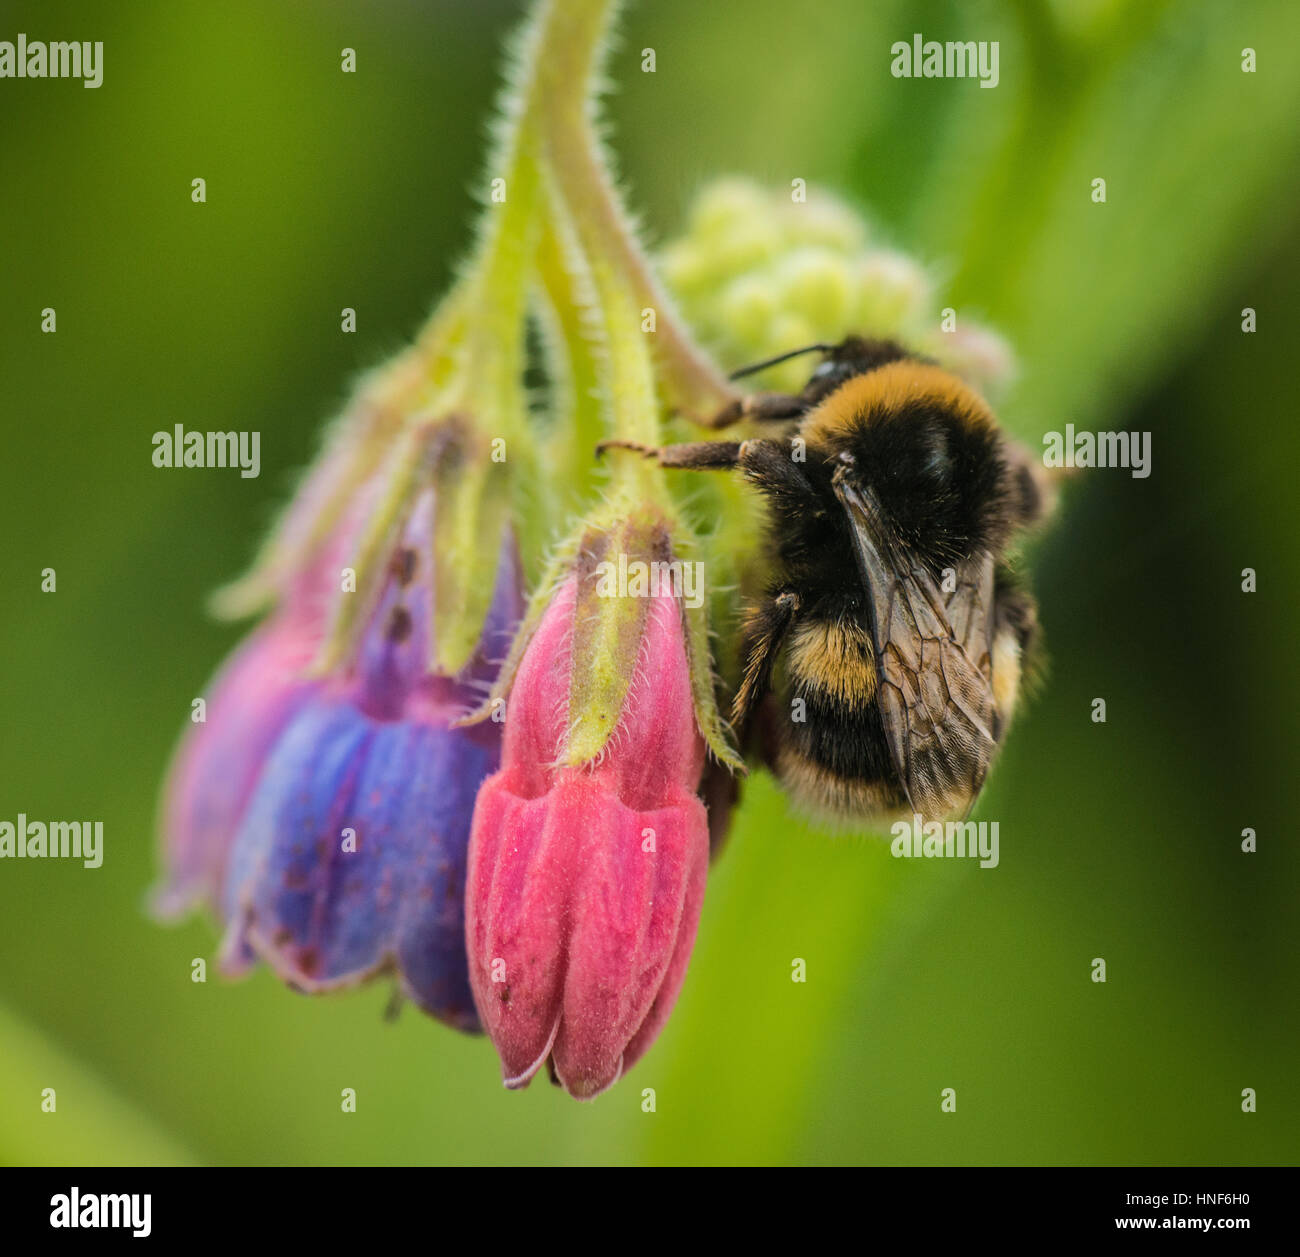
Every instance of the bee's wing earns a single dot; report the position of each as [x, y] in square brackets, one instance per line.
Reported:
[934, 687]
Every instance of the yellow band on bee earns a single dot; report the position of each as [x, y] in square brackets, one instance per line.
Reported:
[834, 658]
[889, 389]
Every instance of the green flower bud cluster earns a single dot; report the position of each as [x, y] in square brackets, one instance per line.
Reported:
[760, 272]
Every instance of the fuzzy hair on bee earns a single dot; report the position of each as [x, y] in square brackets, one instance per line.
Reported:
[884, 663]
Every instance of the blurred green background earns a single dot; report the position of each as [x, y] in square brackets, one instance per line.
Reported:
[1119, 840]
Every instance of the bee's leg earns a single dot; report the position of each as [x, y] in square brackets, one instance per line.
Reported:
[763, 635]
[696, 455]
[758, 407]
[771, 465]
[775, 469]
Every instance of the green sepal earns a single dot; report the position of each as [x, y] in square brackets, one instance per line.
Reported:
[704, 689]
[472, 495]
[607, 632]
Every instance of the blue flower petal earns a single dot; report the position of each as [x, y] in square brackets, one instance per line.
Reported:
[351, 856]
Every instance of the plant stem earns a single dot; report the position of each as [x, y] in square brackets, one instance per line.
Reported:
[571, 36]
[564, 308]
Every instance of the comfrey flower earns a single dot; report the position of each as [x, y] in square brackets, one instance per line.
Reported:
[590, 846]
[325, 815]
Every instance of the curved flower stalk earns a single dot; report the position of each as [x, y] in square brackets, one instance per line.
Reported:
[573, 36]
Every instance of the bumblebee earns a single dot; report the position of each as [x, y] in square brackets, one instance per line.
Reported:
[881, 667]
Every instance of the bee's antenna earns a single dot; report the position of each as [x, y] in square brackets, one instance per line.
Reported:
[771, 362]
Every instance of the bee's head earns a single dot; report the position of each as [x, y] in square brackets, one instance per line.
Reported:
[929, 452]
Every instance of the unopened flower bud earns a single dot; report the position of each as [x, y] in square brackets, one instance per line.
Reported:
[587, 871]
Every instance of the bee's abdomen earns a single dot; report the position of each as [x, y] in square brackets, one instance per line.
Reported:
[833, 755]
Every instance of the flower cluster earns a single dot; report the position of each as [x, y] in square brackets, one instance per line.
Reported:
[456, 750]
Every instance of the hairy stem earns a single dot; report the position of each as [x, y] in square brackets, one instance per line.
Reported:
[572, 35]
[566, 307]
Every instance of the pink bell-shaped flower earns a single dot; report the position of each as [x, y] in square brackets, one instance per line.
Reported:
[586, 881]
